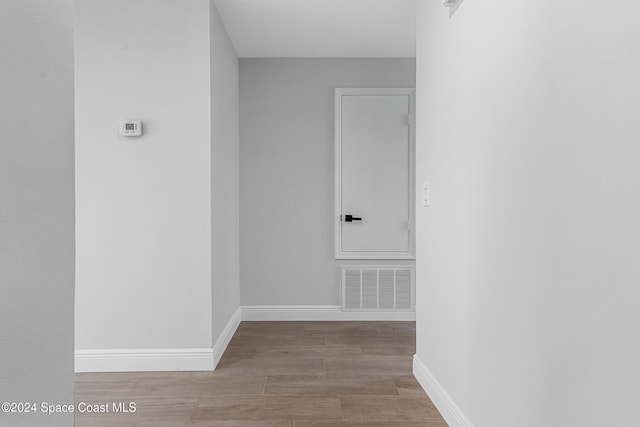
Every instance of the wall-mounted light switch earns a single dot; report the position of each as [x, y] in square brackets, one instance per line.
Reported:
[426, 194]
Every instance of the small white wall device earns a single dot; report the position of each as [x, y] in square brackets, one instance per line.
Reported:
[130, 128]
[426, 194]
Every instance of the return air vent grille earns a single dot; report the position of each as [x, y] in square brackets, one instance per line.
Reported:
[368, 288]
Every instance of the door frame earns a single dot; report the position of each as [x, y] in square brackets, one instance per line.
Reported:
[373, 255]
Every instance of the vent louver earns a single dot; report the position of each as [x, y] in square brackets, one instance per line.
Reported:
[387, 288]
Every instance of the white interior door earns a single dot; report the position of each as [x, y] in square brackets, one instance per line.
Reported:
[374, 173]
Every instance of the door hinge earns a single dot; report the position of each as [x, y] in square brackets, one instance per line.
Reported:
[409, 120]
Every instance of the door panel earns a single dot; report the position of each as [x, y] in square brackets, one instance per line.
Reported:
[375, 174]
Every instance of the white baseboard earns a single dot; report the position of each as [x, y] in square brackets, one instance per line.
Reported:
[451, 413]
[206, 359]
[134, 360]
[318, 312]
[225, 336]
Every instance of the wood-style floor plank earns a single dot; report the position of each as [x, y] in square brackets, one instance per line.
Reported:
[330, 385]
[270, 408]
[369, 365]
[279, 374]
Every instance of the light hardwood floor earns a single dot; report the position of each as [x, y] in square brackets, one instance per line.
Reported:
[294, 374]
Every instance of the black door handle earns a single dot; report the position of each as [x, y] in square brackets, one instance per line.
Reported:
[350, 218]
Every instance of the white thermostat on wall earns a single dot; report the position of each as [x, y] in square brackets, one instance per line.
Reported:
[130, 128]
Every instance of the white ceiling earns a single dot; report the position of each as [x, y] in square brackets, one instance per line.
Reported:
[320, 28]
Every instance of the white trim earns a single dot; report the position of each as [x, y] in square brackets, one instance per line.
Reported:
[132, 360]
[206, 359]
[451, 413]
[375, 255]
[225, 336]
[339, 254]
[318, 312]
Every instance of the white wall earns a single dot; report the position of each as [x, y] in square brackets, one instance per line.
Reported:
[143, 205]
[225, 215]
[36, 207]
[527, 273]
[286, 173]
